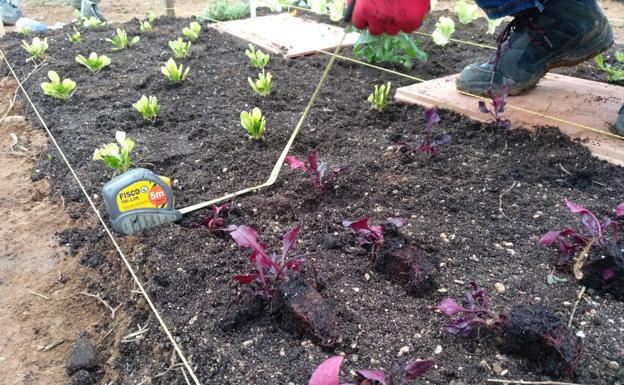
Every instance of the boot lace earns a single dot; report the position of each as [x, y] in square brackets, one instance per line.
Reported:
[536, 34]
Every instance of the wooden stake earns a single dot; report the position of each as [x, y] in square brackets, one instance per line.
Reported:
[170, 8]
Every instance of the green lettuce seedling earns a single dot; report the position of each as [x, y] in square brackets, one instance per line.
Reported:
[116, 155]
[263, 85]
[37, 48]
[93, 23]
[445, 27]
[180, 48]
[615, 72]
[58, 89]
[147, 107]
[24, 31]
[145, 26]
[493, 24]
[257, 58]
[121, 41]
[336, 10]
[75, 37]
[466, 13]
[152, 16]
[379, 98]
[94, 62]
[254, 123]
[192, 31]
[173, 72]
[401, 48]
[78, 18]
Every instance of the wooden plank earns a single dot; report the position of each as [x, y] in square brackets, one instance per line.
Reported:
[286, 34]
[561, 101]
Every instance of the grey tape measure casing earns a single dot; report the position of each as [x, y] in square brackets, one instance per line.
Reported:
[135, 220]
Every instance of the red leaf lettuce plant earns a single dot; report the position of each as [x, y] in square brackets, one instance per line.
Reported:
[316, 170]
[371, 236]
[427, 145]
[213, 221]
[327, 373]
[476, 312]
[572, 241]
[270, 270]
[498, 103]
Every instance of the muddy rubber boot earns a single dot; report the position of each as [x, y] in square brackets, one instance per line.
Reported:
[619, 123]
[10, 12]
[564, 34]
[89, 8]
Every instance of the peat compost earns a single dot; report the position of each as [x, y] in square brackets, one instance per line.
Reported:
[459, 205]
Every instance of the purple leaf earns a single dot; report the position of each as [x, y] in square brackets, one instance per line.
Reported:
[431, 117]
[373, 375]
[608, 273]
[549, 238]
[449, 307]
[288, 241]
[483, 107]
[576, 208]
[619, 211]
[417, 368]
[245, 279]
[294, 163]
[313, 160]
[327, 372]
[398, 222]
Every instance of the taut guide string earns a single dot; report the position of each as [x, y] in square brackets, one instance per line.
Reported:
[271, 180]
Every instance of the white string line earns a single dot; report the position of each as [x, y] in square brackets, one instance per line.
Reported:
[110, 234]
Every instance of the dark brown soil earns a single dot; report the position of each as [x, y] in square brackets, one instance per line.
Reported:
[461, 208]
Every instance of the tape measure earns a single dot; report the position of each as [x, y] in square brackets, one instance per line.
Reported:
[139, 199]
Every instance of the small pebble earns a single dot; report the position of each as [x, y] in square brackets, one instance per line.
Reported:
[499, 287]
[614, 365]
[247, 343]
[403, 350]
[367, 276]
[497, 368]
[484, 365]
[438, 349]
[580, 334]
[356, 289]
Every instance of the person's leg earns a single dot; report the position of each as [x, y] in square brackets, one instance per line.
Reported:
[562, 33]
[10, 12]
[500, 8]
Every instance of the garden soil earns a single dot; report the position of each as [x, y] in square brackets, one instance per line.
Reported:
[479, 208]
[40, 283]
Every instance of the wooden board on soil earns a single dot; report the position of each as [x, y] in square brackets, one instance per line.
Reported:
[563, 101]
[288, 35]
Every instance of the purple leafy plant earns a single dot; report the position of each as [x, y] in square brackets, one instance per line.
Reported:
[499, 101]
[371, 236]
[427, 145]
[270, 270]
[572, 241]
[316, 170]
[215, 220]
[327, 373]
[475, 313]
